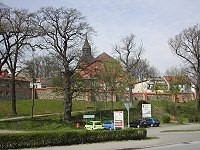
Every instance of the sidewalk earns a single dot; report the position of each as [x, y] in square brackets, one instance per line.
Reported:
[23, 117]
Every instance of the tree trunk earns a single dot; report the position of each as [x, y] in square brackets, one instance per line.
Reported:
[198, 93]
[13, 95]
[67, 97]
[130, 93]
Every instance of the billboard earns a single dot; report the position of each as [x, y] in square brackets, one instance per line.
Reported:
[118, 119]
[146, 110]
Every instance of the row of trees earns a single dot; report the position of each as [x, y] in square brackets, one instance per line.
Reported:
[60, 31]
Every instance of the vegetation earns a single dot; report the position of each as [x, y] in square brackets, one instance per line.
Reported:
[52, 106]
[58, 138]
[166, 118]
[163, 110]
[186, 46]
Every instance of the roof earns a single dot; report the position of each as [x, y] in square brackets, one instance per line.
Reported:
[103, 57]
[177, 79]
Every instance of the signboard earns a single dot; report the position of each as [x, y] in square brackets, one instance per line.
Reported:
[118, 119]
[128, 105]
[146, 110]
[88, 116]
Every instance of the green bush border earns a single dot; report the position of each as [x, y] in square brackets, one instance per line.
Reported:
[61, 138]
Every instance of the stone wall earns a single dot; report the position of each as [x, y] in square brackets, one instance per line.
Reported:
[49, 93]
[55, 93]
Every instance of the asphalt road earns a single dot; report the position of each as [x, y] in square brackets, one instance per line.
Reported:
[161, 140]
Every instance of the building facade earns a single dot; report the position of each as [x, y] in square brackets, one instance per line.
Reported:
[23, 90]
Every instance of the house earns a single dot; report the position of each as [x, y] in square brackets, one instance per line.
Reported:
[41, 83]
[163, 86]
[153, 84]
[23, 90]
[182, 82]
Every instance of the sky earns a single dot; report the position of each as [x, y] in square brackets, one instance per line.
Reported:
[153, 22]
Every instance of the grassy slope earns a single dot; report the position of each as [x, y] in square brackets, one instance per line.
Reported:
[51, 106]
[56, 106]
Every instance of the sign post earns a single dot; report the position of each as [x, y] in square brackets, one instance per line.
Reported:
[128, 106]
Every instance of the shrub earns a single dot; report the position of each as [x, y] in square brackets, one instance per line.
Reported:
[195, 118]
[42, 139]
[166, 119]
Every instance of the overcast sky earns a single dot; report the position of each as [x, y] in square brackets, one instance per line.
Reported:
[152, 21]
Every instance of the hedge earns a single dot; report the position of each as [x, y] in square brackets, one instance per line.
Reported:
[61, 138]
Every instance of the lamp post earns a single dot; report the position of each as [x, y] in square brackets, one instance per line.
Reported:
[33, 80]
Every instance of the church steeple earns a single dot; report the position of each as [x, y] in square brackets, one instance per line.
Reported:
[86, 52]
[86, 45]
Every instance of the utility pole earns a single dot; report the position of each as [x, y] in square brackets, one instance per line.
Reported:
[33, 80]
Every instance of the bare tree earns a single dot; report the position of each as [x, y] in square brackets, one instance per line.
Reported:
[4, 54]
[44, 66]
[187, 46]
[16, 29]
[143, 70]
[174, 71]
[63, 30]
[129, 56]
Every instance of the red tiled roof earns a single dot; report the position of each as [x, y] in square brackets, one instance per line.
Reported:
[103, 57]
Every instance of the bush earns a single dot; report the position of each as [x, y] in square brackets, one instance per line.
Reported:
[42, 139]
[166, 119]
[195, 118]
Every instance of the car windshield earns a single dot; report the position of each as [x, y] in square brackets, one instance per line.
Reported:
[97, 123]
[108, 122]
[90, 123]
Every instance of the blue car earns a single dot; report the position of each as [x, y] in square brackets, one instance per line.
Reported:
[152, 122]
[108, 125]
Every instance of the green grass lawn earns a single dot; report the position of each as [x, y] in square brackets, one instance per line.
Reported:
[24, 107]
[47, 123]
[102, 111]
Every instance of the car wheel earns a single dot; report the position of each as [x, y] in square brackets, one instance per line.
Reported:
[138, 126]
[151, 125]
[110, 128]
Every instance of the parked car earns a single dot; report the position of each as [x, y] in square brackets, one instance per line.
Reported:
[140, 123]
[108, 125]
[94, 125]
[152, 122]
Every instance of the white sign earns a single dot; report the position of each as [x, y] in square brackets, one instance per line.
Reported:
[88, 116]
[118, 119]
[128, 105]
[146, 110]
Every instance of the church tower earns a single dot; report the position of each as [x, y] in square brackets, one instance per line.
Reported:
[86, 53]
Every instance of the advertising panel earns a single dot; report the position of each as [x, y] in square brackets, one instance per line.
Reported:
[146, 110]
[118, 119]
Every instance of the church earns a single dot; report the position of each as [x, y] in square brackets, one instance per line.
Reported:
[88, 66]
[94, 70]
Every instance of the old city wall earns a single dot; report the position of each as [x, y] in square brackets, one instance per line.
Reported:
[55, 93]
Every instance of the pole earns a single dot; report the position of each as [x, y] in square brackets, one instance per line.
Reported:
[33, 89]
[128, 119]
